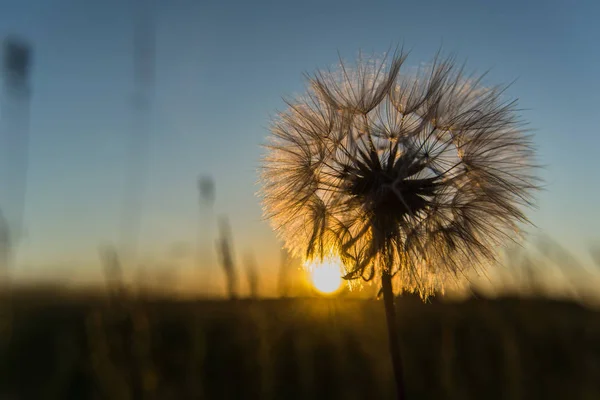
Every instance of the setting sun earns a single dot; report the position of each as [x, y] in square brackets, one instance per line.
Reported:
[326, 276]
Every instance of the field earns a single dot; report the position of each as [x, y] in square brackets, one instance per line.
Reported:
[69, 347]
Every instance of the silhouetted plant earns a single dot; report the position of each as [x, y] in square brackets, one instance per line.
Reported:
[6, 248]
[409, 178]
[226, 253]
[284, 273]
[206, 187]
[113, 271]
[6, 307]
[251, 274]
[204, 255]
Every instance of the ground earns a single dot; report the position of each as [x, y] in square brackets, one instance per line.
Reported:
[70, 347]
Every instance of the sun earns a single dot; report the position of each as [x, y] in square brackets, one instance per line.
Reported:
[326, 276]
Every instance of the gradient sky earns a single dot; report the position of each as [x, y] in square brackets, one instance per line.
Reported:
[222, 67]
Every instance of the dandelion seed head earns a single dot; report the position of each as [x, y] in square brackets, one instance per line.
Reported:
[422, 176]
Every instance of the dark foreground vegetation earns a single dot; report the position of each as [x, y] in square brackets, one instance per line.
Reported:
[69, 347]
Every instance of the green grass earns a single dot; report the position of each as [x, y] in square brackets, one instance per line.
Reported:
[80, 348]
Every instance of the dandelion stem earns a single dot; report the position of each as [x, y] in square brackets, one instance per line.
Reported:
[392, 326]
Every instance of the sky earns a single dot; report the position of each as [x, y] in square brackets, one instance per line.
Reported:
[222, 69]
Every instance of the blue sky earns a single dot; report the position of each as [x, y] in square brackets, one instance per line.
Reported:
[222, 67]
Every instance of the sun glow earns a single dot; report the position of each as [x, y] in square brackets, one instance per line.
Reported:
[326, 276]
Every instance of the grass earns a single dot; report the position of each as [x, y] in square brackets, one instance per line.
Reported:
[74, 347]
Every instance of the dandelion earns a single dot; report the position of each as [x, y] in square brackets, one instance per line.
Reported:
[411, 179]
